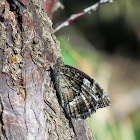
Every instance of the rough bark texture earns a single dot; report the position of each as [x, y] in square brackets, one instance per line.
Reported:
[29, 108]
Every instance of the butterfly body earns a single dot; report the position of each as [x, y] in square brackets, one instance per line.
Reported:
[80, 95]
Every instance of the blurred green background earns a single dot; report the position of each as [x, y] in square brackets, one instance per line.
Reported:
[105, 44]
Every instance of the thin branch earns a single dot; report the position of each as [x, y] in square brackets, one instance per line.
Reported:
[75, 16]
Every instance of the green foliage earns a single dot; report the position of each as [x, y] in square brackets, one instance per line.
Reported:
[75, 55]
[136, 124]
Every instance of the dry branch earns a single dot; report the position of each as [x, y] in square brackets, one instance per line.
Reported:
[77, 15]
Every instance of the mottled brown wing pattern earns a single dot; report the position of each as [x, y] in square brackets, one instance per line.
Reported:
[79, 94]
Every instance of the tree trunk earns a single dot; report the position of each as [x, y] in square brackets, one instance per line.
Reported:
[29, 108]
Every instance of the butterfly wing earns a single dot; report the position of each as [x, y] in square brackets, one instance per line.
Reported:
[79, 94]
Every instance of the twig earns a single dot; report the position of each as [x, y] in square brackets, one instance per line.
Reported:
[75, 16]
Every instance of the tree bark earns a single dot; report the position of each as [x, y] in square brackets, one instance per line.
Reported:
[29, 108]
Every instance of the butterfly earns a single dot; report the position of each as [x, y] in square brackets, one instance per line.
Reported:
[79, 95]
